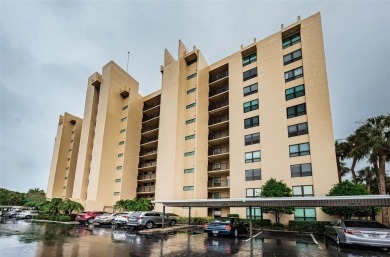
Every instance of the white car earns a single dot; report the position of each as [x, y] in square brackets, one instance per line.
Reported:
[27, 214]
[121, 218]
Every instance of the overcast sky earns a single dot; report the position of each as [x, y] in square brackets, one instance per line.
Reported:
[49, 49]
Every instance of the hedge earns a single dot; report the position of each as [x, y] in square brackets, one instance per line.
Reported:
[194, 220]
[64, 218]
[53, 218]
[233, 215]
[308, 226]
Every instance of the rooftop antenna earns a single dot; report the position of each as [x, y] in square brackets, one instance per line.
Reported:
[128, 55]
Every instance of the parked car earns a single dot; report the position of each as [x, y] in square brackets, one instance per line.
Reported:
[88, 216]
[12, 213]
[121, 218]
[225, 226]
[149, 219]
[27, 214]
[362, 232]
[106, 218]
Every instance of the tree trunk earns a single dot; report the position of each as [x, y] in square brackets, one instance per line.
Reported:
[382, 187]
[338, 168]
[353, 170]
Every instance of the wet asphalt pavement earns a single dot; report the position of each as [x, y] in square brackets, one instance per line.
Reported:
[25, 238]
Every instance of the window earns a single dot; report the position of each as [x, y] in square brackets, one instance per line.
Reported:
[249, 74]
[192, 76]
[252, 139]
[301, 170]
[64, 187]
[297, 129]
[67, 168]
[296, 110]
[251, 122]
[190, 105]
[118, 180]
[70, 150]
[254, 174]
[123, 130]
[116, 193]
[121, 142]
[292, 57]
[124, 119]
[71, 140]
[256, 213]
[295, 92]
[120, 155]
[253, 192]
[250, 89]
[216, 195]
[191, 90]
[292, 40]
[189, 170]
[73, 132]
[293, 74]
[251, 105]
[303, 191]
[249, 59]
[305, 214]
[119, 167]
[188, 188]
[190, 137]
[192, 62]
[299, 150]
[190, 121]
[68, 159]
[125, 107]
[66, 178]
[252, 156]
[189, 153]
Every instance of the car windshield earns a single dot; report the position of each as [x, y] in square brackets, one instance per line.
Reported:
[83, 213]
[106, 214]
[221, 220]
[136, 214]
[364, 224]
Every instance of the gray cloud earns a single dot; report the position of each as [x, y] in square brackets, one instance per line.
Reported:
[48, 50]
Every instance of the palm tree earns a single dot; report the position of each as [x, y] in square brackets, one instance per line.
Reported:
[376, 134]
[366, 176]
[141, 204]
[340, 157]
[68, 206]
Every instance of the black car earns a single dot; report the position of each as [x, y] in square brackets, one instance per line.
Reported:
[225, 226]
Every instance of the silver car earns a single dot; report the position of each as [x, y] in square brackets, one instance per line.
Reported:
[106, 218]
[121, 218]
[149, 219]
[362, 232]
[27, 214]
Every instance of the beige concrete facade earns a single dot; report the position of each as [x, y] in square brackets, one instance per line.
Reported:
[197, 137]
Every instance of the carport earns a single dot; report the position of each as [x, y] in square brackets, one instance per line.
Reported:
[319, 201]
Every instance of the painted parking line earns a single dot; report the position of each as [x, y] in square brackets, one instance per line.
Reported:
[253, 236]
[315, 241]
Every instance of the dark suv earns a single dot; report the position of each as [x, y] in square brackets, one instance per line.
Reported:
[149, 219]
[88, 216]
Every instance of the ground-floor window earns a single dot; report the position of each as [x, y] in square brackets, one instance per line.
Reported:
[256, 213]
[305, 214]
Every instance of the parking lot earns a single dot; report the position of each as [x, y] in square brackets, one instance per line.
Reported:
[26, 238]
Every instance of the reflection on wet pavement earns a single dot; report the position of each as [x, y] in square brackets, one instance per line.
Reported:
[23, 238]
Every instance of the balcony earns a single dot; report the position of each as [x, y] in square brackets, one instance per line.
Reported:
[146, 189]
[218, 184]
[218, 76]
[148, 151]
[148, 165]
[219, 137]
[218, 168]
[148, 154]
[216, 197]
[146, 177]
[151, 105]
[219, 90]
[150, 117]
[146, 129]
[149, 140]
[218, 105]
[218, 119]
[219, 153]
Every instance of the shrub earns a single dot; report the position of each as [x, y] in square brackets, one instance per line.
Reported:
[277, 226]
[266, 222]
[194, 220]
[233, 215]
[64, 218]
[308, 226]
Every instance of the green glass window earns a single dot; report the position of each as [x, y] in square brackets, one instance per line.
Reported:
[192, 76]
[120, 155]
[190, 121]
[190, 105]
[189, 170]
[301, 170]
[121, 142]
[125, 107]
[251, 105]
[250, 89]
[292, 57]
[116, 193]
[299, 150]
[251, 122]
[249, 59]
[191, 90]
[119, 167]
[292, 40]
[256, 213]
[296, 110]
[118, 180]
[252, 157]
[305, 214]
[302, 191]
[190, 137]
[123, 130]
[189, 153]
[295, 92]
[124, 119]
[188, 188]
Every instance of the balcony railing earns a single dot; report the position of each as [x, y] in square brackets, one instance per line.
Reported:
[218, 166]
[149, 128]
[218, 183]
[219, 150]
[219, 104]
[149, 117]
[219, 134]
[148, 151]
[218, 119]
[146, 176]
[218, 76]
[217, 197]
[147, 164]
[150, 106]
[218, 90]
[149, 139]
[145, 189]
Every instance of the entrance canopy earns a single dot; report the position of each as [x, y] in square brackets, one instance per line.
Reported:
[317, 201]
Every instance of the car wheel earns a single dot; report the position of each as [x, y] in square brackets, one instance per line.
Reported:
[28, 217]
[173, 223]
[81, 222]
[112, 222]
[90, 221]
[235, 233]
[149, 225]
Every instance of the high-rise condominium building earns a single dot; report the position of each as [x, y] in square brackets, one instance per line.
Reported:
[212, 131]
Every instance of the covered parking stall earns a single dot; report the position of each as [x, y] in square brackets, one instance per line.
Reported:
[319, 201]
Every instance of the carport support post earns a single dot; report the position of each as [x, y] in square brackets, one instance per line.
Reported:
[189, 215]
[250, 221]
[372, 213]
[163, 217]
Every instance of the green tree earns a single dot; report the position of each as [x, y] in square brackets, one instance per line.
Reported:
[366, 176]
[347, 188]
[274, 188]
[138, 204]
[8, 197]
[35, 194]
[68, 206]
